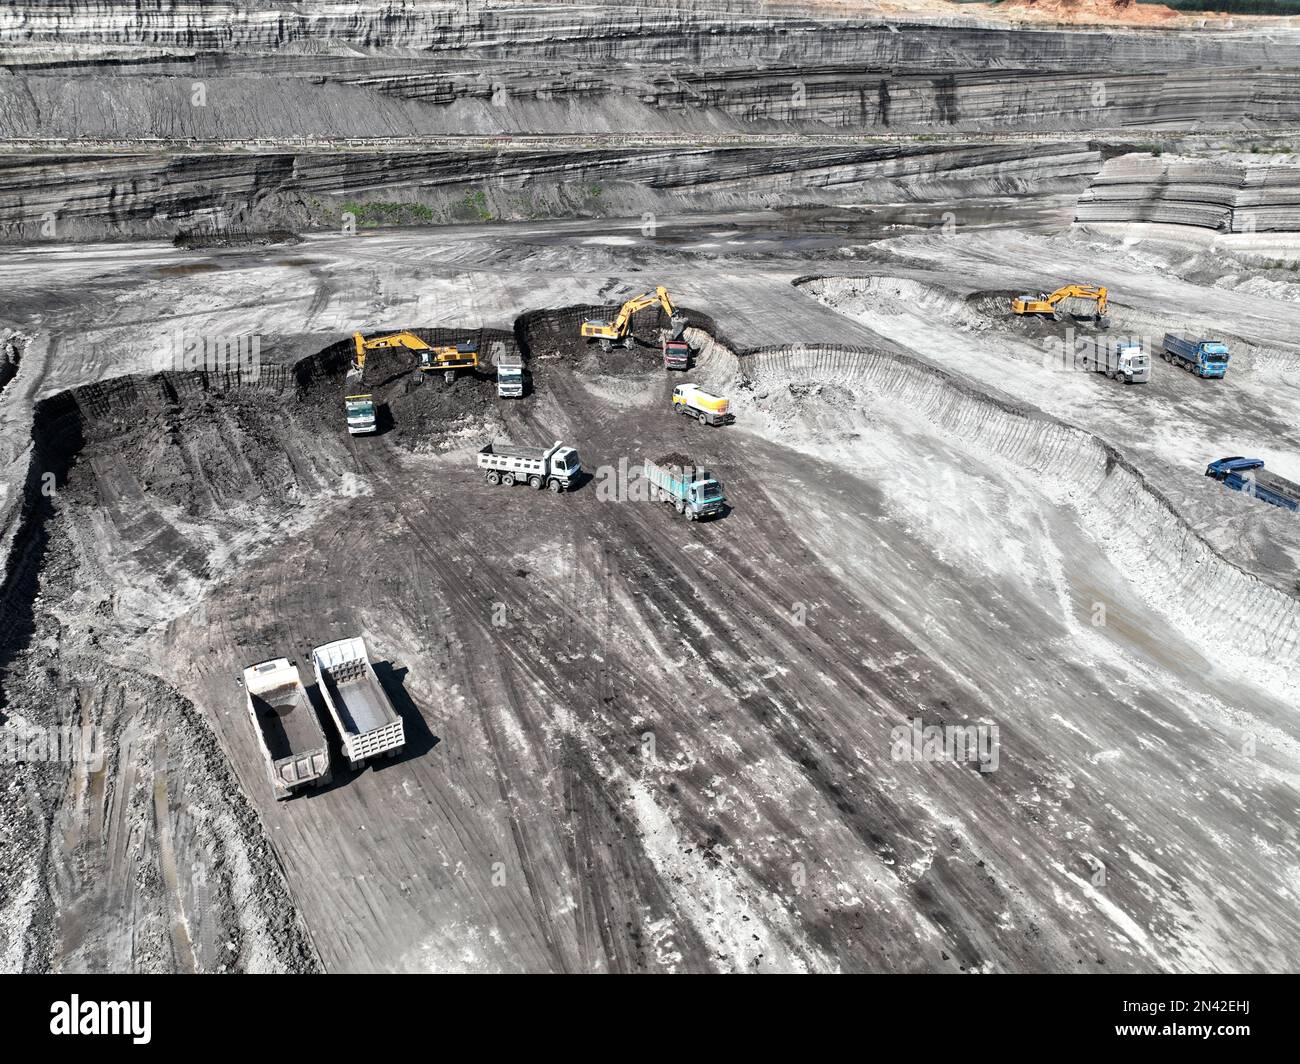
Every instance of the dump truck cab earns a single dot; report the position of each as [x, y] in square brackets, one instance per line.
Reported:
[677, 354]
[510, 377]
[1131, 364]
[360, 411]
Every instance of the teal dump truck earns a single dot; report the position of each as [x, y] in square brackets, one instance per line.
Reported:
[691, 490]
[1205, 358]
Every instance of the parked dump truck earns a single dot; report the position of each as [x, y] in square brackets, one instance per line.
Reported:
[1205, 358]
[360, 411]
[510, 376]
[693, 401]
[1125, 361]
[677, 354]
[365, 718]
[555, 467]
[1248, 475]
[690, 490]
[288, 732]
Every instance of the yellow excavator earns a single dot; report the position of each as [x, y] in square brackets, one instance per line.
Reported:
[448, 359]
[619, 330]
[1059, 303]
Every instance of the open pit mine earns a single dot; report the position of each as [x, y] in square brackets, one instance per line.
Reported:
[601, 487]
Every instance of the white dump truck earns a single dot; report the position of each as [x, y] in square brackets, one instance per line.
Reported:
[1124, 361]
[360, 410]
[288, 732]
[704, 406]
[555, 467]
[366, 720]
[510, 376]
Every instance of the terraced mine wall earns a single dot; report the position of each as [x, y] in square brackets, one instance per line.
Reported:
[101, 94]
[71, 197]
[1179, 574]
[1221, 194]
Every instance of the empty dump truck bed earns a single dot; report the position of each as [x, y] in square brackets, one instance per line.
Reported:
[289, 733]
[367, 722]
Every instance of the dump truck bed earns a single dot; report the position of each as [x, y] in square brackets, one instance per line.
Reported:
[1281, 485]
[506, 450]
[292, 739]
[287, 721]
[367, 722]
[361, 703]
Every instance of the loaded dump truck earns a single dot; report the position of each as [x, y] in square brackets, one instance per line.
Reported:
[1125, 362]
[510, 376]
[366, 720]
[555, 467]
[703, 406]
[360, 410]
[288, 732]
[690, 490]
[1205, 358]
[1248, 475]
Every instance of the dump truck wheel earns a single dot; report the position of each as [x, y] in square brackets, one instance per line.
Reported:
[508, 479]
[680, 507]
[494, 478]
[555, 486]
[536, 483]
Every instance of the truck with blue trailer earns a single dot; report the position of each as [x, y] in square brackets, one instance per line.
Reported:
[1205, 358]
[690, 490]
[1248, 475]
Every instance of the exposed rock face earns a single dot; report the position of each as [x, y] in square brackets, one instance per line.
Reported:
[631, 113]
[116, 71]
[1227, 194]
[68, 197]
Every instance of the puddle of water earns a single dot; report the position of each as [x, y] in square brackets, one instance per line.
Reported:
[186, 269]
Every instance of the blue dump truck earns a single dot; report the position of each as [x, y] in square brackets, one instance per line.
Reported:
[1205, 358]
[1247, 475]
[675, 479]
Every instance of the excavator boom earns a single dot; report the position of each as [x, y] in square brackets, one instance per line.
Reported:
[598, 329]
[1051, 303]
[399, 339]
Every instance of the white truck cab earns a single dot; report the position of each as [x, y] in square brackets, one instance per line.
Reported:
[360, 410]
[510, 376]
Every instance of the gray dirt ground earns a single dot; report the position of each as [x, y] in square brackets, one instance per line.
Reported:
[636, 743]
